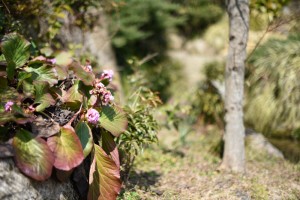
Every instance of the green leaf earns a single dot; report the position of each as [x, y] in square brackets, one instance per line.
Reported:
[45, 73]
[85, 136]
[62, 72]
[66, 148]
[16, 51]
[42, 96]
[9, 94]
[104, 178]
[113, 119]
[32, 155]
[86, 77]
[110, 147]
[63, 58]
[73, 95]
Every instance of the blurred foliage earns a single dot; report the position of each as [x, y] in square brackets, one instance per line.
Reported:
[217, 34]
[179, 118]
[142, 126]
[140, 27]
[207, 103]
[42, 20]
[199, 15]
[159, 76]
[271, 7]
[273, 87]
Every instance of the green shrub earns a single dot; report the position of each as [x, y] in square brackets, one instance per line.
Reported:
[273, 87]
[207, 103]
[140, 28]
[199, 16]
[142, 126]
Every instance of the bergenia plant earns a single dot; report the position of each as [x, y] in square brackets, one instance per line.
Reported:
[55, 114]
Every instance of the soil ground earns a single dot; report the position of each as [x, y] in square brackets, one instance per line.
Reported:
[188, 170]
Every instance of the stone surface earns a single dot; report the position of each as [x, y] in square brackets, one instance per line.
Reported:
[15, 186]
[258, 141]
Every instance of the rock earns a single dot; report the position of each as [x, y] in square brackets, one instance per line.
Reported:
[175, 41]
[258, 141]
[16, 186]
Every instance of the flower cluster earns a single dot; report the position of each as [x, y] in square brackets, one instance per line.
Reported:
[104, 94]
[8, 106]
[107, 74]
[92, 116]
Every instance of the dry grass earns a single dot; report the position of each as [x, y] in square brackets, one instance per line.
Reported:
[189, 172]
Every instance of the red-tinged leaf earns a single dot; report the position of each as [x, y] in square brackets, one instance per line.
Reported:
[105, 183]
[85, 136]
[94, 181]
[32, 155]
[66, 148]
[110, 147]
[113, 119]
[86, 77]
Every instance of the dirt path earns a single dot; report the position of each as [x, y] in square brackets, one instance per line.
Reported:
[189, 172]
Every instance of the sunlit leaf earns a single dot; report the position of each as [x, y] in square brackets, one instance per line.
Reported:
[104, 179]
[86, 77]
[73, 95]
[110, 147]
[32, 155]
[42, 96]
[113, 119]
[44, 73]
[63, 58]
[62, 72]
[84, 134]
[47, 51]
[66, 148]
[16, 51]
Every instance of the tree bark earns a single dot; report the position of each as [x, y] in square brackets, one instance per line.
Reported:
[234, 149]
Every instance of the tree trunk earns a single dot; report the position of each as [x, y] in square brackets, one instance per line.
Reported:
[234, 149]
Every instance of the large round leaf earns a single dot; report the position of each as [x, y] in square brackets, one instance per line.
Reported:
[32, 155]
[84, 134]
[104, 179]
[113, 119]
[110, 147]
[66, 148]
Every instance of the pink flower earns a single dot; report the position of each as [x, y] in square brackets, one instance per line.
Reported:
[107, 74]
[52, 60]
[107, 98]
[99, 85]
[88, 68]
[8, 106]
[92, 116]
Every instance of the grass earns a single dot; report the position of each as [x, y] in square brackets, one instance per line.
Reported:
[171, 170]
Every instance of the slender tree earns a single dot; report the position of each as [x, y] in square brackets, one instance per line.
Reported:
[234, 150]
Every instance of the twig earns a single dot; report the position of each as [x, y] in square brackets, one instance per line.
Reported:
[6, 6]
[147, 58]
